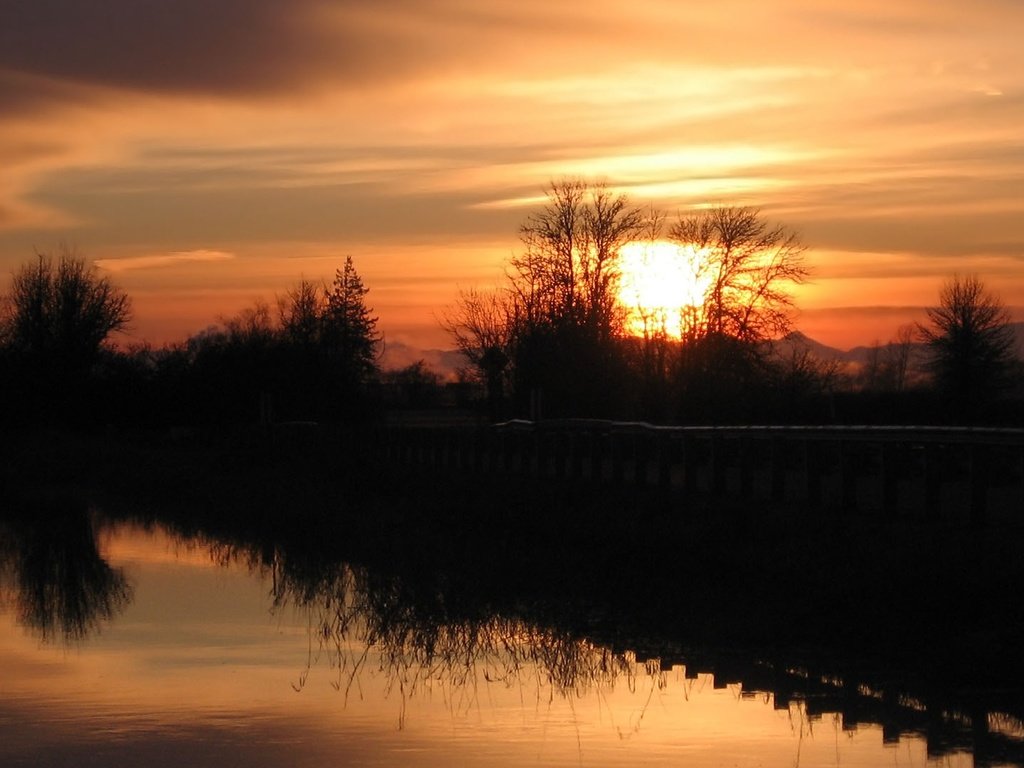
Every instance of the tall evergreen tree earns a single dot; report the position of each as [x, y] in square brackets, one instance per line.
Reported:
[350, 328]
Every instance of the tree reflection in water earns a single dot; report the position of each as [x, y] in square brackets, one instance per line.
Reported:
[424, 630]
[365, 622]
[52, 571]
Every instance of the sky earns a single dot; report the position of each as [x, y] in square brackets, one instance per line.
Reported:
[206, 153]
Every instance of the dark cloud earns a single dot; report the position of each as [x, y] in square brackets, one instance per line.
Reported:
[254, 47]
[223, 47]
[33, 93]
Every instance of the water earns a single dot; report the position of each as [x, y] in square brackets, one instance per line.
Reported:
[135, 646]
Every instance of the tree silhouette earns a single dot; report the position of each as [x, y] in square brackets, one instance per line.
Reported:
[566, 320]
[310, 360]
[55, 324]
[63, 588]
[970, 343]
[350, 328]
[557, 329]
[301, 312]
[567, 273]
[481, 325]
[749, 265]
[60, 312]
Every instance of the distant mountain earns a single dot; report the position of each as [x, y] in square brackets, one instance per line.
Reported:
[445, 362]
[862, 354]
[853, 358]
[798, 342]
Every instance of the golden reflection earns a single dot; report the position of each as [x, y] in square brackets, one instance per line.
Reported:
[507, 687]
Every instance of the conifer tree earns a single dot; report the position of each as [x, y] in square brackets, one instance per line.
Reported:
[350, 328]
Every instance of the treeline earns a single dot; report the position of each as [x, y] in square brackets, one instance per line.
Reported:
[558, 337]
[312, 357]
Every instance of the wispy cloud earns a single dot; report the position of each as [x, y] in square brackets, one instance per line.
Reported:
[156, 261]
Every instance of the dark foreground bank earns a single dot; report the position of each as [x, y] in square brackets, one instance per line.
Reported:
[931, 608]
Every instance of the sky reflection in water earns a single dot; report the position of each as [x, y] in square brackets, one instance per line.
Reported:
[196, 658]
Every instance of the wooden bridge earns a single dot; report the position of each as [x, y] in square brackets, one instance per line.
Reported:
[959, 474]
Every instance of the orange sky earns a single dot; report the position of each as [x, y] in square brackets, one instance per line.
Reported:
[208, 152]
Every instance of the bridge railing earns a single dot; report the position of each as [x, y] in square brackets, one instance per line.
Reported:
[956, 473]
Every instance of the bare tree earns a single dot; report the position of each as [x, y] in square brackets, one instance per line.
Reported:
[480, 323]
[252, 325]
[900, 355]
[60, 312]
[554, 327]
[872, 373]
[970, 342]
[567, 273]
[301, 311]
[749, 265]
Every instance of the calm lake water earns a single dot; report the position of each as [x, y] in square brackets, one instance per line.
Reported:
[121, 645]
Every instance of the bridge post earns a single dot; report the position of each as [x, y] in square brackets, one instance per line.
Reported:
[718, 466]
[932, 481]
[420, 447]
[543, 452]
[890, 479]
[641, 458]
[690, 461]
[464, 451]
[746, 461]
[616, 449]
[527, 448]
[980, 458]
[475, 451]
[847, 476]
[981, 738]
[664, 461]
[778, 469]
[411, 442]
[428, 448]
[1020, 465]
[597, 457]
[455, 450]
[578, 442]
[812, 471]
[556, 447]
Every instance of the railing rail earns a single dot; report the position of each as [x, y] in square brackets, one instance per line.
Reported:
[953, 473]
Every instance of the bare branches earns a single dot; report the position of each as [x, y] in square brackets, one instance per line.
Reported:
[969, 339]
[479, 321]
[63, 310]
[749, 266]
[567, 273]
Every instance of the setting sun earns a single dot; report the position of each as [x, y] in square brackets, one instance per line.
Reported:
[660, 282]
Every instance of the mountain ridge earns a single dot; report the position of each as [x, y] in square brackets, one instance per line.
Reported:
[447, 362]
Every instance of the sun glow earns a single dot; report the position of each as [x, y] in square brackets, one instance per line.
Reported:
[662, 286]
